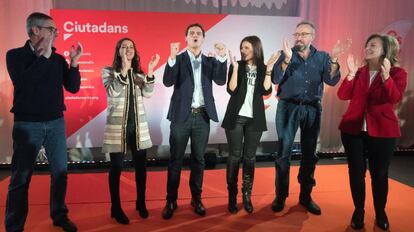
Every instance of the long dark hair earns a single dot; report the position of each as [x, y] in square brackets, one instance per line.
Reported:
[258, 58]
[135, 62]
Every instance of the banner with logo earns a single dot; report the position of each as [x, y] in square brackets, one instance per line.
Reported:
[99, 31]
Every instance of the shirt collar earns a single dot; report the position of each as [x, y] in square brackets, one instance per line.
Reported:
[192, 57]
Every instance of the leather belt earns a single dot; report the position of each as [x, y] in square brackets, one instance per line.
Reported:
[197, 110]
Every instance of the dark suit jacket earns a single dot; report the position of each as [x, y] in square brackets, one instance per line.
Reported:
[181, 76]
[239, 94]
[376, 102]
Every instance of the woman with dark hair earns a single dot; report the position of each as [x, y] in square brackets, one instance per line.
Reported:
[126, 124]
[245, 121]
[369, 128]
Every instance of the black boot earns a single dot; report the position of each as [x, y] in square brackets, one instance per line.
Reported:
[248, 176]
[278, 204]
[381, 219]
[357, 221]
[141, 182]
[232, 173]
[306, 201]
[113, 179]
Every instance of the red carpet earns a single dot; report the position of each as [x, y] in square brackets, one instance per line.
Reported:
[88, 202]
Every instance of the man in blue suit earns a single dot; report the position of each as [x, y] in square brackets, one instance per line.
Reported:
[191, 108]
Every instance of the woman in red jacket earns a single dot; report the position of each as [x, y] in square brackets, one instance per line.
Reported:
[369, 127]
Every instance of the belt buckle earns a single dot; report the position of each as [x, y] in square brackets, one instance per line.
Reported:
[195, 110]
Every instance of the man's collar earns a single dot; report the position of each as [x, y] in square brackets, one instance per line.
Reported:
[192, 57]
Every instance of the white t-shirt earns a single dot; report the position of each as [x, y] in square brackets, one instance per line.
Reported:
[372, 75]
[247, 107]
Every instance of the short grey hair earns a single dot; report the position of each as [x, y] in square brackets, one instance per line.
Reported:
[35, 19]
[307, 23]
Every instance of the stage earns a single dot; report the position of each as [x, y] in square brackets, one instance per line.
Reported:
[89, 204]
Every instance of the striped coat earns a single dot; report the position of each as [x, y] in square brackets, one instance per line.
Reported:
[118, 97]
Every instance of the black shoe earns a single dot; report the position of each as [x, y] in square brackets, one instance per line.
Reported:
[311, 206]
[382, 220]
[66, 224]
[120, 216]
[198, 207]
[357, 221]
[232, 206]
[278, 204]
[168, 210]
[142, 209]
[247, 202]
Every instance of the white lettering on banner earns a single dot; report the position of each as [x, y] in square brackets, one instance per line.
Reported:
[74, 27]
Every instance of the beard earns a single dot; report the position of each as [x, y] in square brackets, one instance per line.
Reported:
[300, 46]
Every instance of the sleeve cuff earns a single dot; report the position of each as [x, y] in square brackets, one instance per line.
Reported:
[171, 62]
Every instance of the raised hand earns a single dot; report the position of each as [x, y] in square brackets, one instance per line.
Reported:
[272, 60]
[153, 62]
[385, 68]
[352, 67]
[287, 50]
[75, 54]
[174, 48]
[339, 48]
[220, 49]
[233, 61]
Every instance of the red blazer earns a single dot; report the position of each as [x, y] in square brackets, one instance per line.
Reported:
[376, 102]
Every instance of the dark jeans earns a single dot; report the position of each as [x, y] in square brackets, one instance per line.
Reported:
[378, 152]
[243, 141]
[28, 137]
[289, 117]
[196, 127]
[139, 161]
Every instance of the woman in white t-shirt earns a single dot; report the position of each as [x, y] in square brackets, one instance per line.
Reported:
[245, 121]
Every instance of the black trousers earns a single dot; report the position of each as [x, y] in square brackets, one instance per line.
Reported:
[377, 151]
[196, 127]
[139, 161]
[243, 141]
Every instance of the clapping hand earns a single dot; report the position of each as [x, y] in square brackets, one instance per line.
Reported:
[233, 61]
[339, 48]
[74, 54]
[352, 67]
[385, 68]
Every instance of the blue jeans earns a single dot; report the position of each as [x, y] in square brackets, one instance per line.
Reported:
[196, 127]
[28, 137]
[289, 117]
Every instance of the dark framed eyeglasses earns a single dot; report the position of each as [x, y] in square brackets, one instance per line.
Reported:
[53, 30]
[303, 34]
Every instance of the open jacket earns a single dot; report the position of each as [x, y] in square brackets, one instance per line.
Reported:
[238, 96]
[181, 77]
[376, 102]
[118, 100]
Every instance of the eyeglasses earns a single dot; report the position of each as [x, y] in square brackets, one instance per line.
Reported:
[303, 34]
[53, 30]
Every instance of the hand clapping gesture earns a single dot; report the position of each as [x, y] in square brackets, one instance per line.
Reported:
[287, 51]
[272, 60]
[352, 67]
[152, 64]
[339, 48]
[385, 68]
[75, 54]
[233, 61]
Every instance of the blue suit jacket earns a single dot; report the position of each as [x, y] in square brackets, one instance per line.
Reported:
[181, 76]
